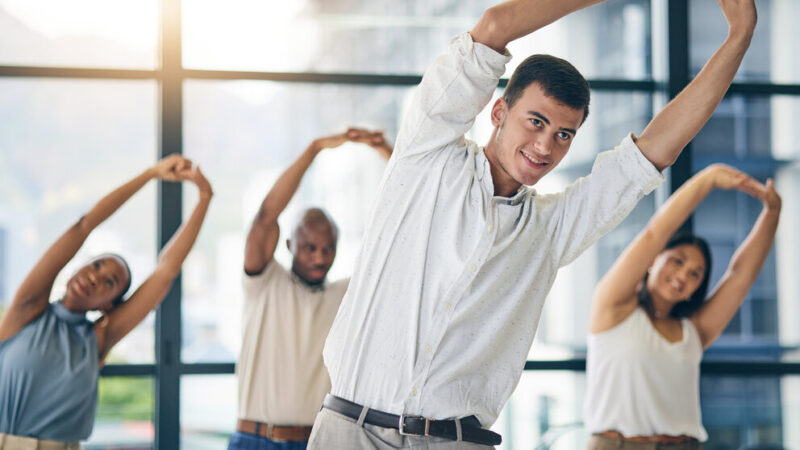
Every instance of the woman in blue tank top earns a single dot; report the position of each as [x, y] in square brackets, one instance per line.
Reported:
[50, 354]
[651, 320]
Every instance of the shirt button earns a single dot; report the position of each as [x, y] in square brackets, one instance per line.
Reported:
[490, 228]
[413, 392]
[472, 268]
[428, 348]
[447, 306]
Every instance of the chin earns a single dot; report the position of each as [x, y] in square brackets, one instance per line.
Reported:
[315, 280]
[528, 180]
[673, 298]
[530, 177]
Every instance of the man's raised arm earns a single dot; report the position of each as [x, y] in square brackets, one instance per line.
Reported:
[678, 123]
[264, 232]
[514, 19]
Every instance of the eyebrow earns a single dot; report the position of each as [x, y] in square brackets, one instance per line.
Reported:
[547, 121]
[682, 254]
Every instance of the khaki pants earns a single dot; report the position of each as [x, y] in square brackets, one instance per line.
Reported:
[11, 442]
[606, 443]
[334, 431]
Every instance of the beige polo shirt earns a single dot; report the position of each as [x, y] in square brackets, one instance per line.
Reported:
[282, 379]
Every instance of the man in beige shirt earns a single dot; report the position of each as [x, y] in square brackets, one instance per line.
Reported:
[287, 313]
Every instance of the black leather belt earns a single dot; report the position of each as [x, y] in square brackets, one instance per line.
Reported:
[471, 430]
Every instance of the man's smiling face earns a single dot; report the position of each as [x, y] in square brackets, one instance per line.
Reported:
[530, 138]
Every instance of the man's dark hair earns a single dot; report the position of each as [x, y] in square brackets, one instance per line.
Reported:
[559, 79]
[695, 301]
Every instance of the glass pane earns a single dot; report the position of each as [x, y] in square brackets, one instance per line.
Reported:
[751, 412]
[755, 128]
[403, 37]
[260, 128]
[208, 411]
[125, 414]
[544, 412]
[79, 33]
[755, 134]
[66, 143]
[773, 53]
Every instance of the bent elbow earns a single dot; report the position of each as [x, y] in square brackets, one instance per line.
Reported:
[82, 226]
[491, 19]
[491, 28]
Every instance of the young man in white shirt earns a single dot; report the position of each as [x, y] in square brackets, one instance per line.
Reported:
[287, 313]
[432, 335]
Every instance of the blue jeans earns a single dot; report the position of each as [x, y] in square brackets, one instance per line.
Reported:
[244, 441]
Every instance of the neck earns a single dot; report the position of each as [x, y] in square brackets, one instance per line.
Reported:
[504, 184]
[66, 300]
[661, 309]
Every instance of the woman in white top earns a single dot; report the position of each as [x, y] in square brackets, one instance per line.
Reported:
[651, 322]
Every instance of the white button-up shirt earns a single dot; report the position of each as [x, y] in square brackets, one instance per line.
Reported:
[449, 286]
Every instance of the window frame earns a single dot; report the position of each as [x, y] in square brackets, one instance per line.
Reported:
[168, 368]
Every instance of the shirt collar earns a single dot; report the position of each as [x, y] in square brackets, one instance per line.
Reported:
[66, 315]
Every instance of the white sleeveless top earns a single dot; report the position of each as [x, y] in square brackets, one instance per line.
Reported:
[640, 384]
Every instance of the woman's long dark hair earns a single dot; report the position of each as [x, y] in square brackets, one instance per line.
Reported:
[695, 301]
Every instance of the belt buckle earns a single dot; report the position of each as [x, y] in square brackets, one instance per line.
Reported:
[402, 425]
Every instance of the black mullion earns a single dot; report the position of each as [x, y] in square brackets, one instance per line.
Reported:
[306, 77]
[717, 368]
[388, 80]
[168, 315]
[764, 89]
[128, 370]
[208, 368]
[77, 72]
[733, 368]
[599, 84]
[678, 57]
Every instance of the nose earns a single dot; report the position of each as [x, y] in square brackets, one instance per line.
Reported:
[542, 144]
[682, 275]
[92, 278]
[319, 258]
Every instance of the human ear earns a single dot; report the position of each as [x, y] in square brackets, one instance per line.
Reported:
[499, 111]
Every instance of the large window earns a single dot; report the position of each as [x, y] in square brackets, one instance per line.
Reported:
[65, 143]
[80, 33]
[94, 91]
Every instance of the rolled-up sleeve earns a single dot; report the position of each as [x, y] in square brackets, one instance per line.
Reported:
[595, 204]
[454, 89]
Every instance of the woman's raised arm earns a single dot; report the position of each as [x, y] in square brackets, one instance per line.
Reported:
[712, 318]
[33, 295]
[121, 320]
[615, 294]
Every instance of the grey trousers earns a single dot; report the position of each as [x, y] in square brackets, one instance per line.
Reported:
[333, 431]
[606, 443]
